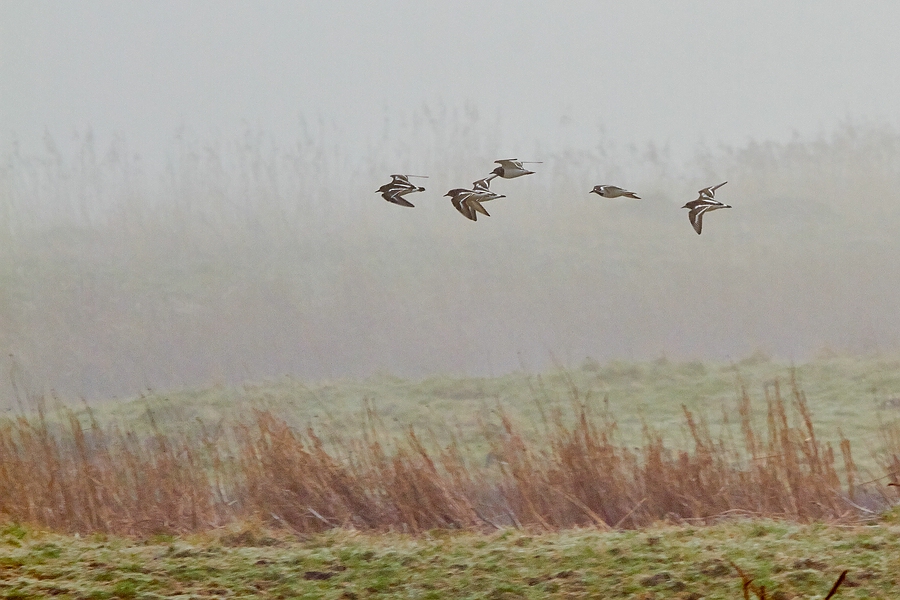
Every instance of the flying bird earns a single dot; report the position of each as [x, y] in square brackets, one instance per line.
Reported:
[710, 192]
[512, 167]
[468, 202]
[483, 187]
[705, 203]
[612, 191]
[399, 187]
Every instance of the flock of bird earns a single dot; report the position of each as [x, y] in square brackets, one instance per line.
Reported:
[469, 201]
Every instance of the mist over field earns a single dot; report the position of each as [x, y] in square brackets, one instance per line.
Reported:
[179, 237]
[245, 261]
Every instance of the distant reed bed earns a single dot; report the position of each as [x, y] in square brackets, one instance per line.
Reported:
[61, 474]
[246, 258]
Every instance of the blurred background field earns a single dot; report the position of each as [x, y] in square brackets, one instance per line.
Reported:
[857, 396]
[246, 260]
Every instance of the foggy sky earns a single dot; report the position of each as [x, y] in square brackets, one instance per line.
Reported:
[248, 241]
[673, 73]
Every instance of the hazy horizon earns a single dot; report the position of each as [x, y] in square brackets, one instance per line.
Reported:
[674, 75]
[187, 191]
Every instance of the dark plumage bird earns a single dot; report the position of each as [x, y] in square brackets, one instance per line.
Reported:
[706, 202]
[710, 192]
[512, 167]
[483, 186]
[399, 187]
[612, 191]
[468, 202]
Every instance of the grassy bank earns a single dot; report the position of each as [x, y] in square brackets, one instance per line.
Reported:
[790, 560]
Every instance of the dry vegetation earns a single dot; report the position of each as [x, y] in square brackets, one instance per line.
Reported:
[61, 475]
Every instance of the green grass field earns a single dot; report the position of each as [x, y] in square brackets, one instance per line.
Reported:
[850, 395]
[790, 560]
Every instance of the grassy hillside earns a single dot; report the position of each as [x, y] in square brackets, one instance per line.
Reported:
[791, 561]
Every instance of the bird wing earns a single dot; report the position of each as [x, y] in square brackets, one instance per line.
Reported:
[396, 197]
[696, 217]
[473, 203]
[459, 204]
[710, 192]
[483, 185]
[509, 163]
